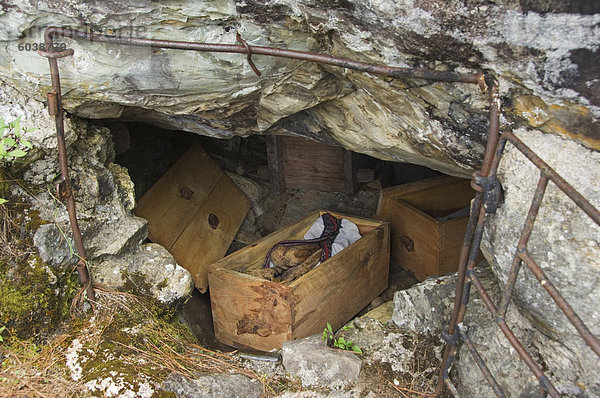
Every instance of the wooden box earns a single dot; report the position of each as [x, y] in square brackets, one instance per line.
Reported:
[421, 242]
[298, 163]
[253, 313]
[194, 211]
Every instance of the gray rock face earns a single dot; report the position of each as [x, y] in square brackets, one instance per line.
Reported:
[213, 386]
[104, 199]
[569, 366]
[252, 189]
[56, 246]
[425, 307]
[53, 247]
[546, 62]
[318, 365]
[147, 269]
[565, 242]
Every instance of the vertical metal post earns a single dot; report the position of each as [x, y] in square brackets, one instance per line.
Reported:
[64, 187]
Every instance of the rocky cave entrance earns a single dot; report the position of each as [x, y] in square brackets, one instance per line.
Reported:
[148, 151]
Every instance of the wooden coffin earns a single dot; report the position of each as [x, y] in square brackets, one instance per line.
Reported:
[421, 242]
[253, 313]
[299, 163]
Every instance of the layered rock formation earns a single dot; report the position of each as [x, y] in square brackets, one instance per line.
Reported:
[544, 61]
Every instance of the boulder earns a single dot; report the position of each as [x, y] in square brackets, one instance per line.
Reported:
[425, 307]
[318, 365]
[565, 242]
[569, 366]
[56, 245]
[545, 57]
[148, 270]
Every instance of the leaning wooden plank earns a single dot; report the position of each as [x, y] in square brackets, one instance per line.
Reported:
[171, 203]
[211, 230]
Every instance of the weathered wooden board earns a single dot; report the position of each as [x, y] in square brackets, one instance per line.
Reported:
[171, 203]
[420, 242]
[194, 211]
[304, 164]
[274, 312]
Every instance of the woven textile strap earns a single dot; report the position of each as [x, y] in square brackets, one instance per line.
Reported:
[330, 232]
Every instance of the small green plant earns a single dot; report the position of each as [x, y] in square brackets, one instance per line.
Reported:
[341, 342]
[13, 144]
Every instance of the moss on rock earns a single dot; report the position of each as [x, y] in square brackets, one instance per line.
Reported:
[34, 298]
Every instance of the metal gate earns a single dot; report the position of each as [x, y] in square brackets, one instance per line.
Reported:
[486, 202]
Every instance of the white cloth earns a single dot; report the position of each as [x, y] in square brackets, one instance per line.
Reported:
[348, 234]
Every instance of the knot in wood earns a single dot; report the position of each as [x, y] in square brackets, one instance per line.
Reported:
[185, 192]
[213, 221]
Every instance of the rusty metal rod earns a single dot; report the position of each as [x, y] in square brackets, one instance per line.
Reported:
[513, 340]
[538, 196]
[560, 182]
[491, 160]
[480, 362]
[82, 271]
[421, 73]
[583, 331]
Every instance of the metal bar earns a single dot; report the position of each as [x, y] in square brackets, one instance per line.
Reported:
[525, 234]
[513, 340]
[482, 366]
[583, 331]
[57, 109]
[421, 73]
[451, 387]
[491, 160]
[546, 174]
[571, 192]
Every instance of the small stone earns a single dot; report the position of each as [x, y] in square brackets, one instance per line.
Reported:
[425, 307]
[383, 313]
[114, 237]
[318, 365]
[213, 386]
[53, 246]
[253, 190]
[247, 233]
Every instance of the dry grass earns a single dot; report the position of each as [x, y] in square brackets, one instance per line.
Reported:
[11, 221]
[29, 370]
[156, 349]
[167, 350]
[419, 375]
[421, 379]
